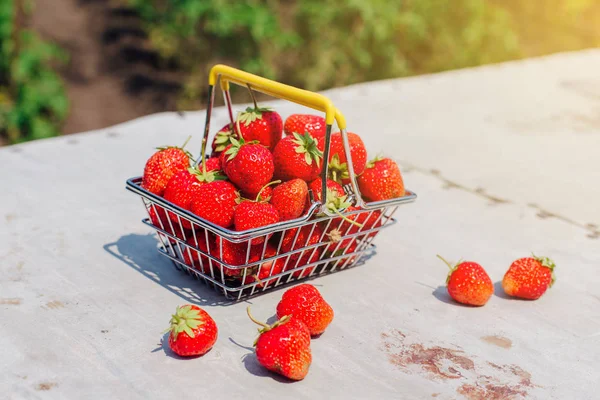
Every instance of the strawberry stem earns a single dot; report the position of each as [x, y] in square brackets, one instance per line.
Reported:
[348, 219]
[186, 142]
[253, 97]
[265, 326]
[263, 188]
[445, 262]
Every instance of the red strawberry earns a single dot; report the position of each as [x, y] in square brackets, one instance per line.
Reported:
[266, 269]
[468, 283]
[297, 156]
[162, 166]
[316, 188]
[248, 165]
[160, 220]
[290, 199]
[215, 202]
[182, 188]
[529, 278]
[193, 331]
[284, 347]
[298, 238]
[193, 257]
[357, 222]
[223, 139]
[260, 124]
[336, 249]
[338, 167]
[254, 214]
[300, 123]
[304, 302]
[381, 180]
[265, 194]
[212, 164]
[230, 253]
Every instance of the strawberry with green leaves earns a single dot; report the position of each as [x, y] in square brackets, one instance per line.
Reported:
[529, 277]
[290, 199]
[223, 139]
[192, 332]
[468, 283]
[299, 123]
[381, 180]
[306, 303]
[248, 165]
[184, 185]
[162, 165]
[216, 202]
[261, 124]
[297, 157]
[338, 163]
[284, 347]
[317, 189]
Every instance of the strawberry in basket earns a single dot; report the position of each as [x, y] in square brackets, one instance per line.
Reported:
[261, 124]
[338, 166]
[300, 123]
[162, 165]
[248, 165]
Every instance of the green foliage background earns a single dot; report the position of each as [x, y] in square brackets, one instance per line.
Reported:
[33, 102]
[314, 44]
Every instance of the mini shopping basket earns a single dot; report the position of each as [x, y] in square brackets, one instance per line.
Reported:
[290, 250]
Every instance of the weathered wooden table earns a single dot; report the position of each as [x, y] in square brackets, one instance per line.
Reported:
[505, 161]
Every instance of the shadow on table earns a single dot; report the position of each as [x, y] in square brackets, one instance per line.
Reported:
[139, 252]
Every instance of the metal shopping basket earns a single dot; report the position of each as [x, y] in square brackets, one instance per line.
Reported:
[288, 251]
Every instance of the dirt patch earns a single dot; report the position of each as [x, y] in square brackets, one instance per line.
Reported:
[45, 386]
[53, 305]
[14, 301]
[474, 379]
[499, 341]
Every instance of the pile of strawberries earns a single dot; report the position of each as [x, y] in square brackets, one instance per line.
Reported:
[282, 347]
[261, 172]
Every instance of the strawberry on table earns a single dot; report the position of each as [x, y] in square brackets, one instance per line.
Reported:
[162, 165]
[248, 165]
[261, 124]
[193, 331]
[305, 303]
[216, 202]
[338, 166]
[529, 277]
[284, 347]
[468, 283]
[381, 180]
[290, 199]
[299, 123]
[297, 156]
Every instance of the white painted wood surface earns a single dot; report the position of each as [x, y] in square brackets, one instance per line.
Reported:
[505, 161]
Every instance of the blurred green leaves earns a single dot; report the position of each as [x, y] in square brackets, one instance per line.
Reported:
[33, 102]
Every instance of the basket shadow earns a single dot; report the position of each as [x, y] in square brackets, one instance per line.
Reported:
[139, 252]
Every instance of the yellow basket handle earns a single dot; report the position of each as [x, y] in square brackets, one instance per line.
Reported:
[300, 96]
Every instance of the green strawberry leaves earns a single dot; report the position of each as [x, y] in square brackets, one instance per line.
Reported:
[308, 145]
[223, 139]
[206, 176]
[371, 163]
[338, 170]
[185, 320]
[235, 148]
[251, 114]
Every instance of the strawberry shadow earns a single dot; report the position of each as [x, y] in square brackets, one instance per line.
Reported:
[164, 346]
[441, 293]
[253, 366]
[499, 292]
